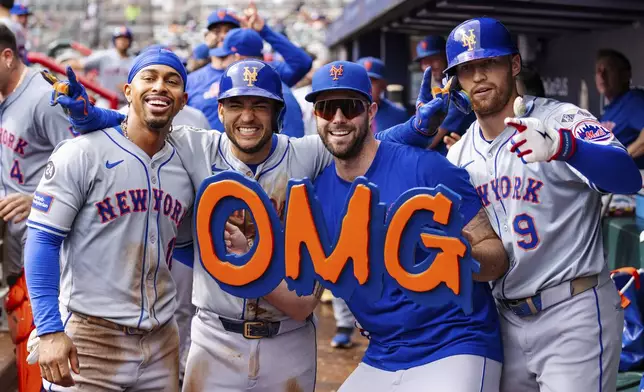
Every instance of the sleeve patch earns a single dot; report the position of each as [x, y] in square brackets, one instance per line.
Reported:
[592, 131]
[42, 202]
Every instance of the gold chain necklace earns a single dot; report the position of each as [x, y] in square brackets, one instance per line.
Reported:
[124, 128]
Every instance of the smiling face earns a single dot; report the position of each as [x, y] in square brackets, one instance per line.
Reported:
[343, 120]
[248, 121]
[156, 95]
[490, 82]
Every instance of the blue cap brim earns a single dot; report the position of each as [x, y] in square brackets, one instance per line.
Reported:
[310, 97]
[375, 75]
[422, 55]
[220, 52]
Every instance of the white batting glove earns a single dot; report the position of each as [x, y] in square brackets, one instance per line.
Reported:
[535, 142]
[32, 347]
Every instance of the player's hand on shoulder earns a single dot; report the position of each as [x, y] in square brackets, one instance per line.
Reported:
[428, 106]
[451, 139]
[56, 353]
[15, 206]
[535, 142]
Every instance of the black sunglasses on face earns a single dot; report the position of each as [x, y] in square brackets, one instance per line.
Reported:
[351, 108]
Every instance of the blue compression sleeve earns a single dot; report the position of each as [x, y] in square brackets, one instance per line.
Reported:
[185, 255]
[405, 133]
[42, 271]
[296, 62]
[609, 168]
[99, 119]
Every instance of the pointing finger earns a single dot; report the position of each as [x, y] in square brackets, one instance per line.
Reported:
[71, 76]
[425, 93]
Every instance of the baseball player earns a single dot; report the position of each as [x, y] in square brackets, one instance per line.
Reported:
[227, 331]
[114, 320]
[539, 167]
[113, 65]
[388, 113]
[248, 44]
[411, 347]
[623, 115]
[20, 13]
[199, 58]
[31, 129]
[430, 53]
[16, 28]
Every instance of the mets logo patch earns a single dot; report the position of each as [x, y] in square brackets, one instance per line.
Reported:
[592, 131]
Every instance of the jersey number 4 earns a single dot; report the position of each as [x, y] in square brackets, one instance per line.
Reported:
[524, 226]
[16, 173]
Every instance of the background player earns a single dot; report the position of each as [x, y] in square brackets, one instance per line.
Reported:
[389, 114]
[271, 159]
[31, 129]
[538, 177]
[126, 184]
[113, 65]
[16, 28]
[411, 347]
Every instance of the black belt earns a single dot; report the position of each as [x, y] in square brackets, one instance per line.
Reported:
[251, 329]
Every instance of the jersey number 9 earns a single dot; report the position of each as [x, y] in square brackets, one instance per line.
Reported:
[524, 226]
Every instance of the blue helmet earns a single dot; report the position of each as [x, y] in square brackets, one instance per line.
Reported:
[478, 38]
[121, 31]
[253, 78]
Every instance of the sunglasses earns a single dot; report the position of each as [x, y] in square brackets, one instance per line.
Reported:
[351, 108]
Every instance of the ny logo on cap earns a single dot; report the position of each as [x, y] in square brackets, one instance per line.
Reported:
[469, 40]
[368, 64]
[250, 77]
[423, 44]
[221, 14]
[336, 72]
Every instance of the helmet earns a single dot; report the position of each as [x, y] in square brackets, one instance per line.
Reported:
[121, 32]
[253, 78]
[476, 39]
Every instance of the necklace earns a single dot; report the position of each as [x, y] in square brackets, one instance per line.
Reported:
[124, 128]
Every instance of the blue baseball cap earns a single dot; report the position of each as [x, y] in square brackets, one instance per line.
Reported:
[222, 16]
[20, 9]
[245, 42]
[374, 66]
[201, 52]
[429, 46]
[340, 75]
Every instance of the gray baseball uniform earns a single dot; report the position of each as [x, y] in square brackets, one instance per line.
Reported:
[214, 351]
[119, 211]
[112, 69]
[548, 217]
[31, 129]
[182, 274]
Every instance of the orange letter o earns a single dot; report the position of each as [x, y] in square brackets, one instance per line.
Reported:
[223, 271]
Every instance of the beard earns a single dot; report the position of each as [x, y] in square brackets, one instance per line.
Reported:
[252, 149]
[495, 102]
[157, 124]
[353, 147]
